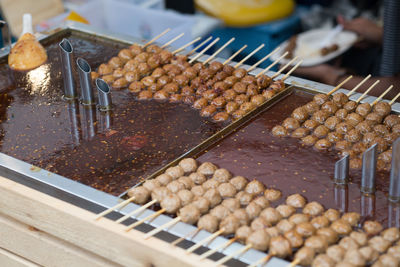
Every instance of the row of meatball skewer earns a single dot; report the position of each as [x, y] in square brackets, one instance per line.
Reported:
[345, 125]
[216, 89]
[234, 206]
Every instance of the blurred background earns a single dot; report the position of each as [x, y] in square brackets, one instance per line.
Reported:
[252, 22]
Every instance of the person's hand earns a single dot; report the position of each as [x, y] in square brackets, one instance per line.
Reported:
[323, 73]
[368, 30]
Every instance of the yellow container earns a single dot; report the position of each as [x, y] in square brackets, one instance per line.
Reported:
[239, 13]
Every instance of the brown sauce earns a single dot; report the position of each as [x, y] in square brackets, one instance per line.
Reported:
[286, 164]
[110, 152]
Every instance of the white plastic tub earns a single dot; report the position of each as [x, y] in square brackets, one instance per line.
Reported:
[127, 18]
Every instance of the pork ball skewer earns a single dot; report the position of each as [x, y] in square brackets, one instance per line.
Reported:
[317, 244]
[365, 108]
[301, 114]
[198, 46]
[116, 207]
[185, 45]
[325, 235]
[222, 86]
[156, 37]
[172, 181]
[200, 54]
[218, 51]
[263, 59]
[248, 56]
[210, 68]
[384, 244]
[321, 117]
[234, 55]
[274, 88]
[211, 57]
[261, 240]
[352, 249]
[209, 222]
[142, 194]
[170, 89]
[257, 238]
[172, 40]
[278, 85]
[191, 214]
[351, 135]
[322, 98]
[270, 66]
[223, 116]
[281, 246]
[125, 55]
[263, 211]
[305, 255]
[232, 219]
[253, 209]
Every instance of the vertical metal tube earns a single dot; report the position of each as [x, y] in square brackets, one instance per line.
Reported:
[105, 120]
[393, 215]
[73, 112]
[104, 93]
[394, 187]
[341, 196]
[85, 80]
[66, 53]
[369, 170]
[367, 205]
[342, 170]
[88, 121]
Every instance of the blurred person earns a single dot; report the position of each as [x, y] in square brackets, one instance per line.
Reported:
[386, 67]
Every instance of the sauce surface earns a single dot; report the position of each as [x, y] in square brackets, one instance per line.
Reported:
[108, 151]
[286, 164]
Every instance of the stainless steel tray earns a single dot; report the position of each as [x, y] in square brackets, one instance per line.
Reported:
[95, 200]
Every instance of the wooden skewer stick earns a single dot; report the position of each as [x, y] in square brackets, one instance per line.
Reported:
[234, 55]
[261, 261]
[294, 263]
[236, 253]
[192, 234]
[248, 56]
[284, 67]
[157, 37]
[358, 85]
[199, 45]
[394, 99]
[118, 206]
[219, 50]
[382, 95]
[366, 92]
[204, 50]
[148, 218]
[162, 227]
[205, 240]
[186, 45]
[222, 246]
[263, 59]
[290, 71]
[172, 40]
[340, 85]
[136, 211]
[272, 64]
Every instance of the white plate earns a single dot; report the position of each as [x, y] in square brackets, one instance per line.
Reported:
[308, 46]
